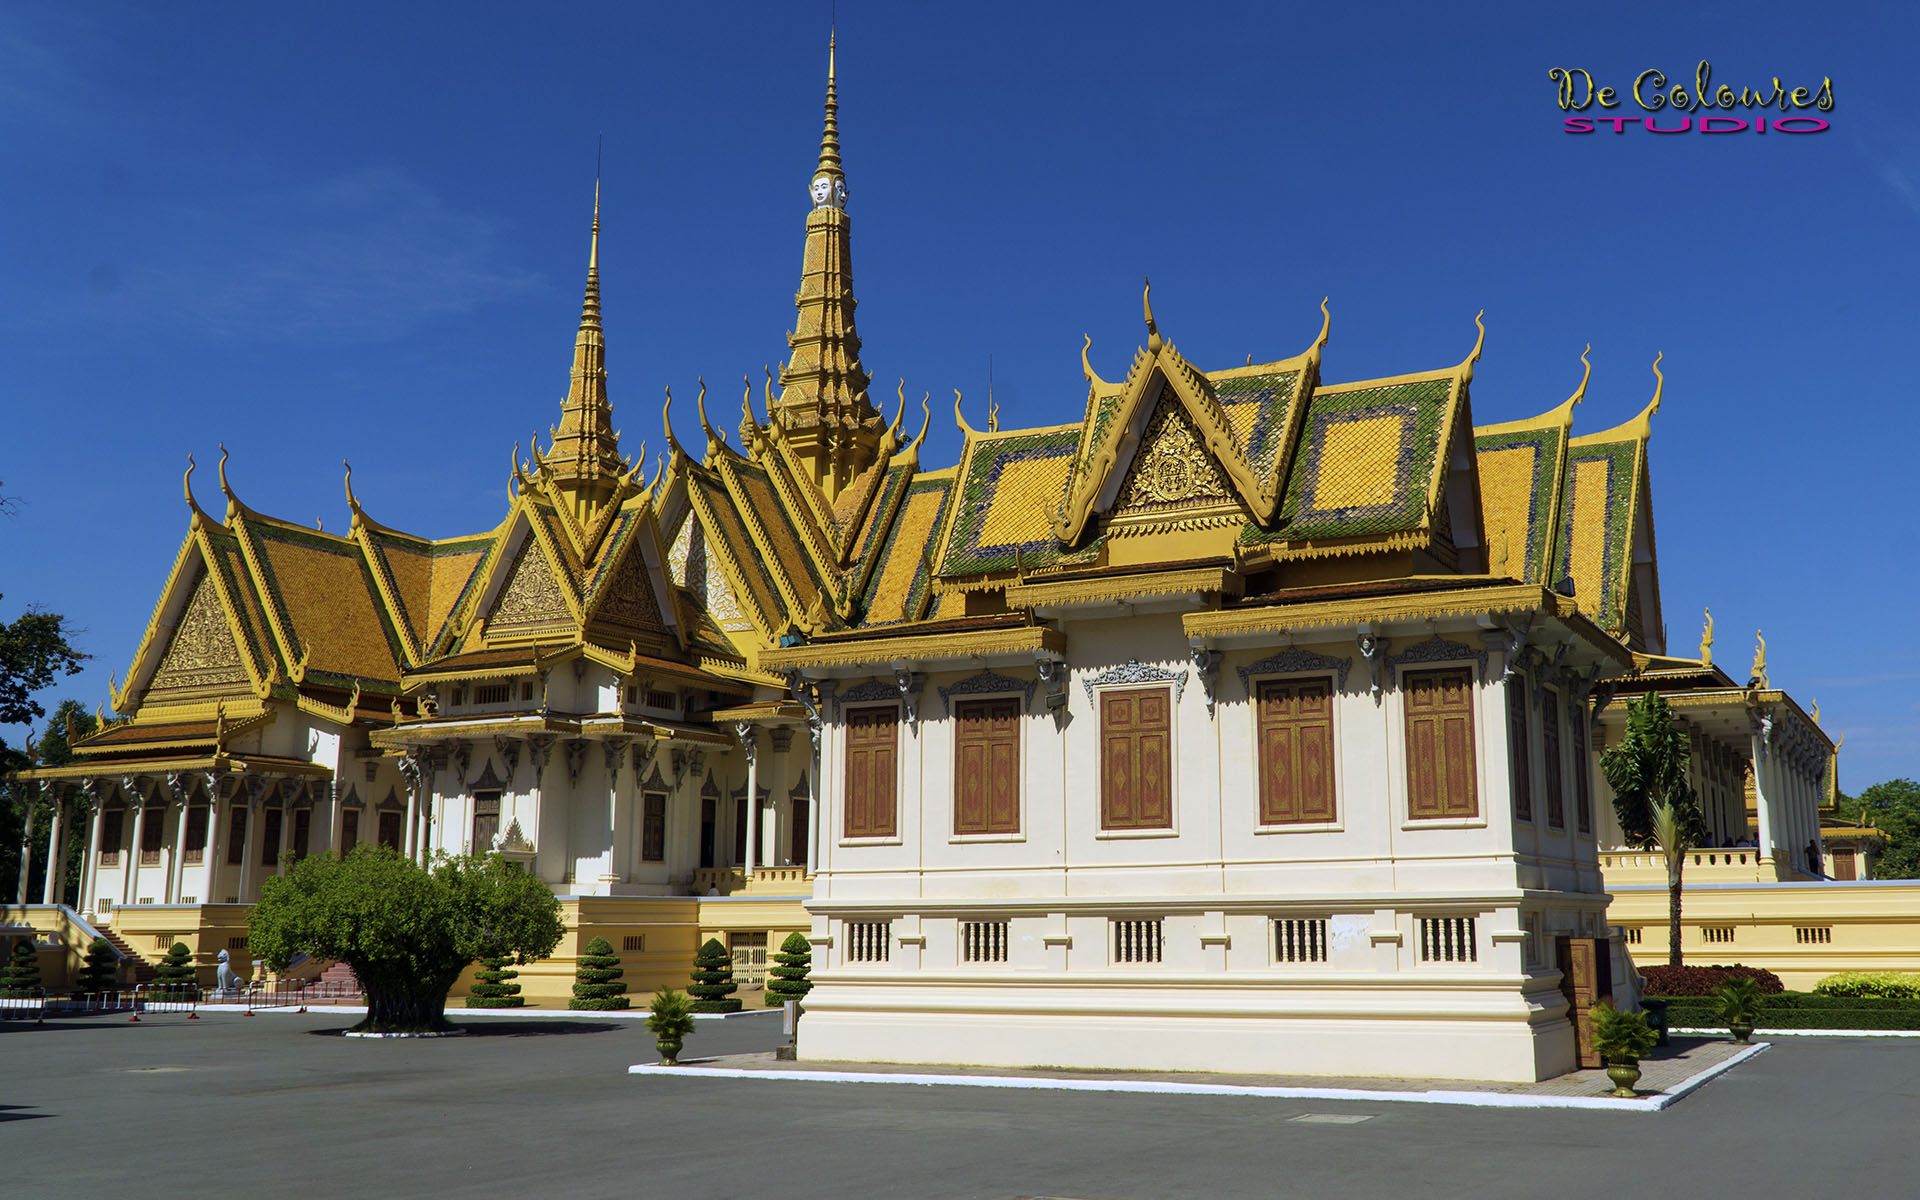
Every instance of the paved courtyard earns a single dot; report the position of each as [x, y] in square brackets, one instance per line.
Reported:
[278, 1105]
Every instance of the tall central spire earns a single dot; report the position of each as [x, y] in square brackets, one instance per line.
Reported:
[584, 459]
[823, 410]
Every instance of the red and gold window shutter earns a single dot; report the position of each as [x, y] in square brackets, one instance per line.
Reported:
[986, 766]
[873, 758]
[1440, 768]
[1296, 751]
[1136, 759]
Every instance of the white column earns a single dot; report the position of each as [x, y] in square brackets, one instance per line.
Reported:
[90, 870]
[1763, 837]
[817, 767]
[286, 829]
[749, 742]
[413, 821]
[51, 891]
[177, 869]
[130, 882]
[208, 863]
[252, 832]
[26, 853]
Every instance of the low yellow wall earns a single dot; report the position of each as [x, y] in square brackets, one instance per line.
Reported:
[1802, 932]
[655, 938]
[207, 929]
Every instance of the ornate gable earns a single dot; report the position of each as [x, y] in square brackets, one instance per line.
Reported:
[202, 652]
[1172, 474]
[530, 600]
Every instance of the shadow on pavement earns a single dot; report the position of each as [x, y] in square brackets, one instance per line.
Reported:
[11, 1112]
[496, 1028]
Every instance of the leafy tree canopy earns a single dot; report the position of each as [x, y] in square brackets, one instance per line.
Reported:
[407, 932]
[1893, 806]
[33, 652]
[1647, 770]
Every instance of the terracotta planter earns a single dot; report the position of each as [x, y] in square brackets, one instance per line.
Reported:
[1624, 1076]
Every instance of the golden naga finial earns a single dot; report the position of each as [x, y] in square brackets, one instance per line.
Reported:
[219, 726]
[666, 418]
[1758, 677]
[1816, 712]
[926, 421]
[233, 501]
[659, 469]
[1326, 322]
[715, 439]
[186, 484]
[1154, 340]
[638, 469]
[353, 504]
[959, 417]
[749, 427]
[1706, 639]
[1501, 553]
[1479, 344]
[1659, 386]
[1580, 393]
[899, 412]
[1086, 364]
[99, 718]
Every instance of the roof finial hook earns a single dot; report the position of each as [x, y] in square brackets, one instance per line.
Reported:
[1154, 340]
[352, 502]
[666, 418]
[715, 439]
[1660, 384]
[1086, 363]
[926, 420]
[186, 482]
[960, 418]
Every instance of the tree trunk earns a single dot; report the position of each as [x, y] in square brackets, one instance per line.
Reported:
[401, 1004]
[1674, 866]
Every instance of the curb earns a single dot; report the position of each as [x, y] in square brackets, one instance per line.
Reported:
[1653, 1103]
[1896, 1033]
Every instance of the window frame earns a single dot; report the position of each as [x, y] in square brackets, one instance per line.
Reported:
[1444, 820]
[892, 835]
[1553, 760]
[1018, 832]
[1104, 830]
[650, 828]
[1335, 823]
[1520, 756]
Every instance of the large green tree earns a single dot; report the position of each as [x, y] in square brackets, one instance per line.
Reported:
[1893, 807]
[34, 651]
[1655, 803]
[55, 748]
[407, 931]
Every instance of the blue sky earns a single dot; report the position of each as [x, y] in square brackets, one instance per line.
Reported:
[359, 231]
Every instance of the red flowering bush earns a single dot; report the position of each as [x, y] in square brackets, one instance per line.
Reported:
[1701, 981]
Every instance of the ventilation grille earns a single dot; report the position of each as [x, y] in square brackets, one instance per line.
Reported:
[869, 941]
[983, 941]
[1813, 935]
[1300, 939]
[1137, 941]
[1447, 939]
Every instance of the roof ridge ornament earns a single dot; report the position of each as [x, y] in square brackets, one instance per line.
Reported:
[959, 418]
[1706, 639]
[1154, 340]
[666, 418]
[1479, 344]
[1086, 364]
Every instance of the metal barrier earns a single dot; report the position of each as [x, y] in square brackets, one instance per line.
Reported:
[20, 1004]
[294, 994]
[171, 999]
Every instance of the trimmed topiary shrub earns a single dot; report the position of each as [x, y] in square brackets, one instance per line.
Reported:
[713, 986]
[22, 972]
[102, 972]
[597, 986]
[788, 980]
[490, 986]
[1876, 985]
[1701, 981]
[176, 970]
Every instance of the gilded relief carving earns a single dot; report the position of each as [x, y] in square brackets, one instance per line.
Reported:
[203, 652]
[1172, 467]
[531, 595]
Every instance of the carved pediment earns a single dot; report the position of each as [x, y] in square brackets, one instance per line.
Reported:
[1172, 472]
[202, 652]
[531, 597]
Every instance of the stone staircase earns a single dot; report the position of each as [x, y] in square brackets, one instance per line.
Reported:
[338, 980]
[142, 971]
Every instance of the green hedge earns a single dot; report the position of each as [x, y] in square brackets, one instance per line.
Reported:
[1800, 1010]
[598, 987]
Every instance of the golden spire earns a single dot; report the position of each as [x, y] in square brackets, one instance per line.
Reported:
[823, 412]
[583, 458]
[830, 134]
[1706, 639]
[1759, 675]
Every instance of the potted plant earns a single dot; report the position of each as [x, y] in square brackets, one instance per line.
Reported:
[1622, 1038]
[671, 1020]
[1737, 1002]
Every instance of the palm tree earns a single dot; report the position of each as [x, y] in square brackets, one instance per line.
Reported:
[1652, 797]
